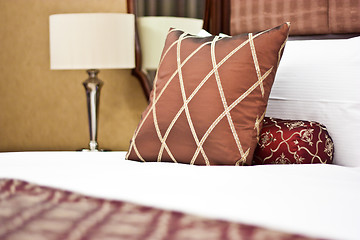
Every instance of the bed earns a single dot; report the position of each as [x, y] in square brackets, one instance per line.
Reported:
[294, 201]
[108, 195]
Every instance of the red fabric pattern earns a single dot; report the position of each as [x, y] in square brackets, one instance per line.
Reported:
[29, 211]
[293, 142]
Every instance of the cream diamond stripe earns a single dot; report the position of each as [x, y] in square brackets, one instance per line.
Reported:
[138, 154]
[169, 48]
[154, 111]
[256, 63]
[283, 45]
[258, 121]
[158, 130]
[281, 48]
[224, 102]
[242, 160]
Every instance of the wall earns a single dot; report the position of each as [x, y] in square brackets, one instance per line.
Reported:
[43, 109]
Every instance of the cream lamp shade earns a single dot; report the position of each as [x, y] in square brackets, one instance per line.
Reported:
[92, 41]
[153, 31]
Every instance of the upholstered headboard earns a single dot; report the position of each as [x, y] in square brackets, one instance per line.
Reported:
[307, 17]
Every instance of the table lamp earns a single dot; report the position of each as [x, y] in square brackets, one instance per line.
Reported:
[92, 41]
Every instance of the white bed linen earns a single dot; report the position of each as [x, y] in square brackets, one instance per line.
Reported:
[318, 80]
[316, 200]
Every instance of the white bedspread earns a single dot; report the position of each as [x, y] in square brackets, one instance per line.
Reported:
[316, 200]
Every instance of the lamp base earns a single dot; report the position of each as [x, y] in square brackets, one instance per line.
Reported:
[92, 87]
[88, 150]
[93, 147]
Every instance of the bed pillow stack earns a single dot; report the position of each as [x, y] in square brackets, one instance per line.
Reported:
[209, 98]
[319, 81]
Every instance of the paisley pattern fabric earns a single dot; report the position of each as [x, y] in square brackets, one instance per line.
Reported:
[29, 211]
[293, 141]
[209, 98]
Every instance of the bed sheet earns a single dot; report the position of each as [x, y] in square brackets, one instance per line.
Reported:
[315, 200]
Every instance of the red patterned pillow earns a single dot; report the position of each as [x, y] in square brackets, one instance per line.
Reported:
[293, 141]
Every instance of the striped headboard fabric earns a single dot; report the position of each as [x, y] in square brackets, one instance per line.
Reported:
[307, 17]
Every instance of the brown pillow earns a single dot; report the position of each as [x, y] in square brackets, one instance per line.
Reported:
[209, 98]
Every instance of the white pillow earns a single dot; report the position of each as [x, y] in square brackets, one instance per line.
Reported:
[204, 33]
[319, 80]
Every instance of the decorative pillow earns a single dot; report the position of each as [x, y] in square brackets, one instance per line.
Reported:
[293, 141]
[209, 98]
[318, 80]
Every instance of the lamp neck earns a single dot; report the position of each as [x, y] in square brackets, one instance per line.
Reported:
[93, 73]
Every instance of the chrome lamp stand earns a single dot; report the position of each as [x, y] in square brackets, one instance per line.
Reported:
[92, 87]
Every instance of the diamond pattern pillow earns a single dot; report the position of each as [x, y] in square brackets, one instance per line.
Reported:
[209, 98]
[293, 142]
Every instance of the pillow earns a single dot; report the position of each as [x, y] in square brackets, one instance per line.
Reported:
[209, 98]
[318, 80]
[293, 141]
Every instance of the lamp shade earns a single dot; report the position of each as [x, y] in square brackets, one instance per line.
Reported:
[92, 41]
[153, 31]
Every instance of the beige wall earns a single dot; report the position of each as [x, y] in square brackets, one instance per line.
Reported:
[43, 109]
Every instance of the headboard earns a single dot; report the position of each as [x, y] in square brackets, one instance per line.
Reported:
[307, 17]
